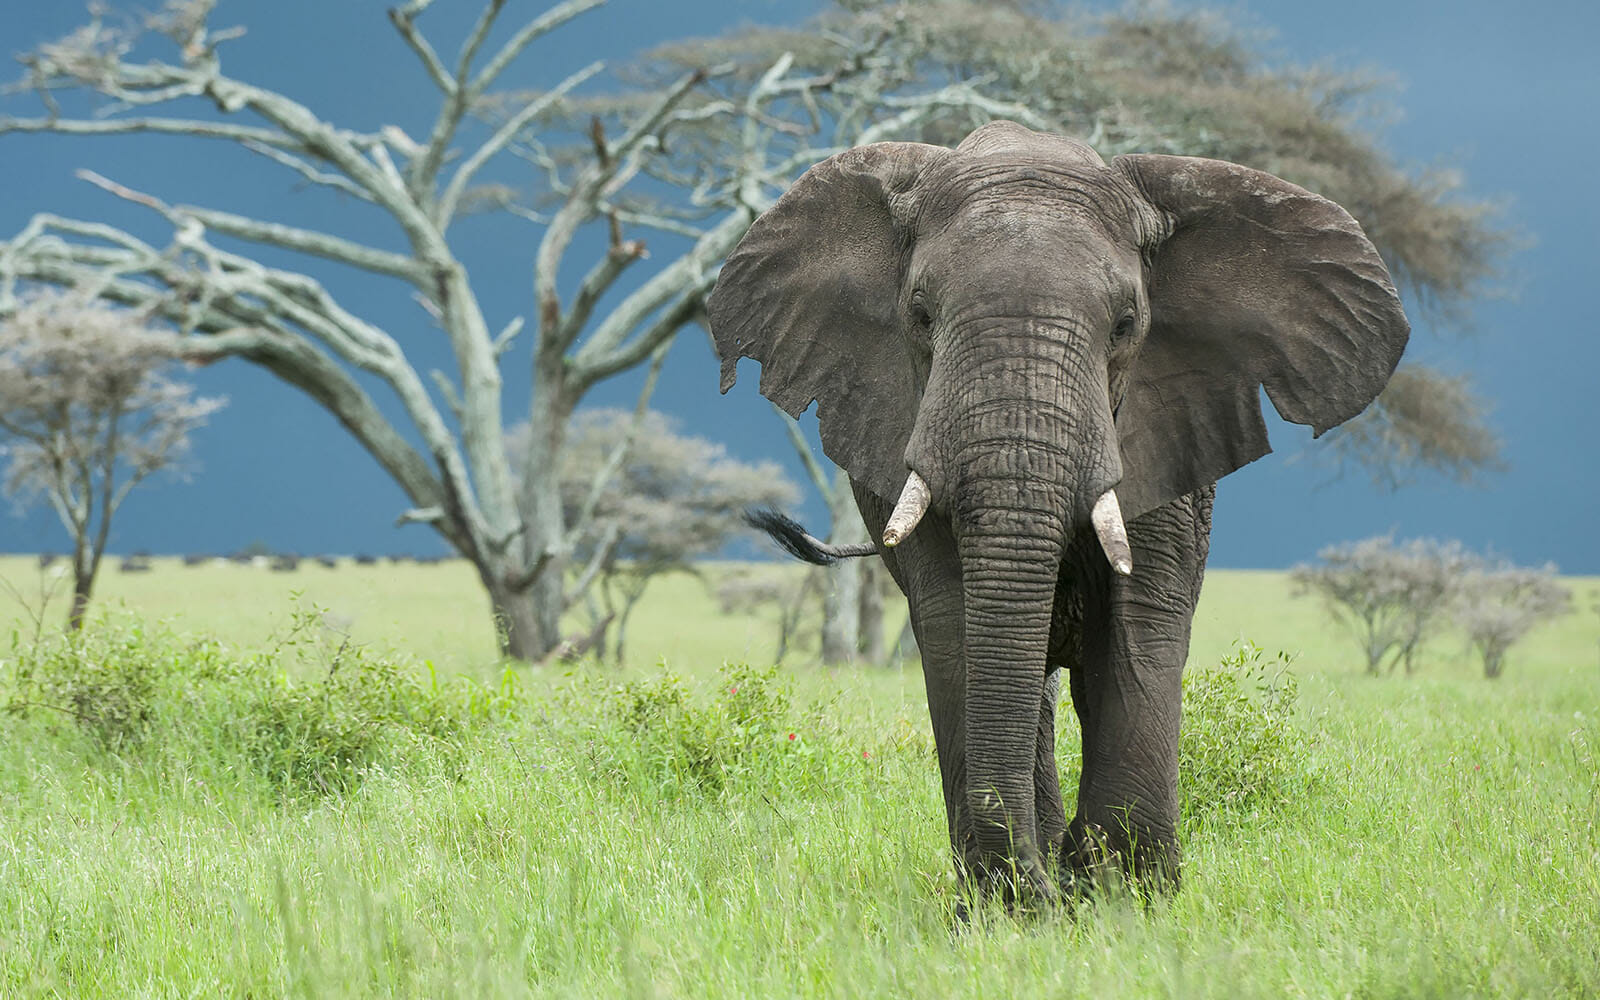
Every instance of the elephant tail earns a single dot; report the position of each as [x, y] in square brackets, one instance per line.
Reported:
[794, 539]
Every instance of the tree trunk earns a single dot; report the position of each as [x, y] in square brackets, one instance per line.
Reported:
[871, 616]
[82, 584]
[85, 565]
[841, 612]
[1494, 660]
[527, 621]
[841, 597]
[622, 625]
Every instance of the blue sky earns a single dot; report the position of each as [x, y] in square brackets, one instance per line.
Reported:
[1503, 92]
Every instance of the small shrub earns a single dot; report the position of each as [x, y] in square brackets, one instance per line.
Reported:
[1240, 750]
[153, 696]
[680, 744]
[105, 684]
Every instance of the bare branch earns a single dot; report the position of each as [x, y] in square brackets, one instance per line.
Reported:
[305, 169]
[271, 233]
[404, 19]
[167, 126]
[818, 475]
[420, 515]
[297, 362]
[502, 342]
[582, 204]
[553, 18]
[604, 353]
[447, 389]
[501, 137]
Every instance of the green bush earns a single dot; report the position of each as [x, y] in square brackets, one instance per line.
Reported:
[1240, 751]
[679, 744]
[150, 695]
[108, 681]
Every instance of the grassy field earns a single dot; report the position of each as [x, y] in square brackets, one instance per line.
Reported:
[179, 819]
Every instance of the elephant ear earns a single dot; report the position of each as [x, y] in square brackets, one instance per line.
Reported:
[1252, 282]
[812, 292]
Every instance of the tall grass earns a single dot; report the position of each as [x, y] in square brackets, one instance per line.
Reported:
[312, 817]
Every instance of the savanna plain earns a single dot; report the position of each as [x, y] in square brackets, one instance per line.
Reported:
[322, 783]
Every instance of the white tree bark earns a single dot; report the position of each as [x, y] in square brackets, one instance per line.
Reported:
[459, 480]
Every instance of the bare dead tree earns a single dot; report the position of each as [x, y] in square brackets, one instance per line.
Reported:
[89, 410]
[229, 304]
[1156, 78]
[789, 592]
[671, 499]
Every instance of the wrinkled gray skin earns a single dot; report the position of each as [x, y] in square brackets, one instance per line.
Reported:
[1026, 327]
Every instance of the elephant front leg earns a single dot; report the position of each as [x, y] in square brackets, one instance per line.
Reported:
[1047, 804]
[1127, 690]
[927, 570]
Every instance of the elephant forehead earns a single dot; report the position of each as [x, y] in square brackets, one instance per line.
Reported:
[1017, 193]
[1005, 224]
[1008, 139]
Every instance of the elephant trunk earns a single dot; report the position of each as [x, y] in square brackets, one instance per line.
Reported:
[1009, 578]
[1033, 452]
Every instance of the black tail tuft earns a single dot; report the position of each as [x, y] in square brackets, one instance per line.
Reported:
[789, 535]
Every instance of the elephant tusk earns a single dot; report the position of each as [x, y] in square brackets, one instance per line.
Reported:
[914, 500]
[1113, 534]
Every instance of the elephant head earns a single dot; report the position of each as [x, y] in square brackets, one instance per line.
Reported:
[1015, 335]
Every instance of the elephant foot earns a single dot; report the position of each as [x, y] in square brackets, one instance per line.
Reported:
[1096, 860]
[1021, 884]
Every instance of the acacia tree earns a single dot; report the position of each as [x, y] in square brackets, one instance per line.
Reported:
[1390, 596]
[228, 303]
[1157, 79]
[89, 410]
[669, 499]
[1497, 606]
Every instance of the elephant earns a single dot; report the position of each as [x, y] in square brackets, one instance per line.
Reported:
[1034, 367]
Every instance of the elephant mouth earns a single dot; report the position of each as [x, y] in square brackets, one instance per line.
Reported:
[1106, 517]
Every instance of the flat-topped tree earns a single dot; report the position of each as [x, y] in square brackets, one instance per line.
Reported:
[229, 303]
[89, 409]
[1195, 83]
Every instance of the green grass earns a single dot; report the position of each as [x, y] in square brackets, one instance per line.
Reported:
[593, 834]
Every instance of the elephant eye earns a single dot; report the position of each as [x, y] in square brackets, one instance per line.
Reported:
[919, 310]
[1125, 328]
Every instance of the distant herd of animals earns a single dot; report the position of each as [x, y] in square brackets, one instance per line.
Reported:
[282, 562]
